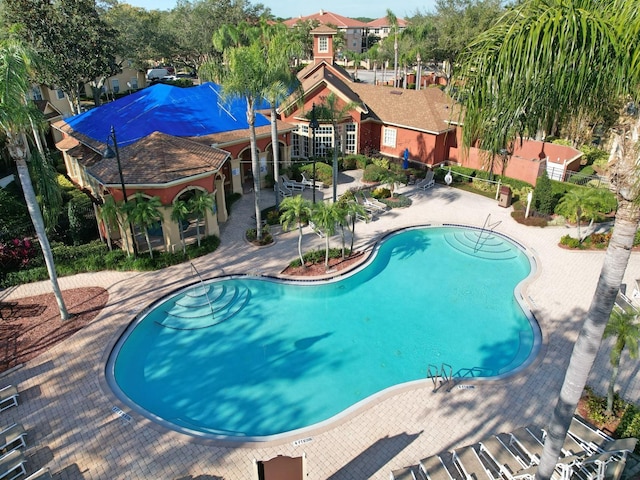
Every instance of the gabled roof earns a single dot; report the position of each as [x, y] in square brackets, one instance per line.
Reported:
[384, 22]
[180, 112]
[426, 110]
[158, 159]
[326, 18]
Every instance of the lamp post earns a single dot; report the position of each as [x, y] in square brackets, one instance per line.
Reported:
[115, 152]
[313, 124]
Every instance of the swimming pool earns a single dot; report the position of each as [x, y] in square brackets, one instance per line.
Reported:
[255, 358]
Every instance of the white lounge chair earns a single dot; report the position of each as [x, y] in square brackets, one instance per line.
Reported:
[373, 203]
[501, 456]
[8, 397]
[291, 184]
[426, 182]
[13, 437]
[12, 465]
[309, 183]
[469, 464]
[432, 468]
[283, 191]
[590, 437]
[42, 474]
[403, 474]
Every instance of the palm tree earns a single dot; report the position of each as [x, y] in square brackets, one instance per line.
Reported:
[279, 51]
[353, 211]
[108, 213]
[393, 23]
[330, 111]
[180, 213]
[200, 204]
[325, 216]
[247, 77]
[623, 324]
[145, 212]
[542, 62]
[295, 210]
[17, 117]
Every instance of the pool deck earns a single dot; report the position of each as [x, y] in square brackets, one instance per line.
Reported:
[74, 430]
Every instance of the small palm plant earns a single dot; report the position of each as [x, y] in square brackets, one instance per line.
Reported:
[179, 214]
[145, 212]
[295, 210]
[200, 204]
[623, 324]
[325, 216]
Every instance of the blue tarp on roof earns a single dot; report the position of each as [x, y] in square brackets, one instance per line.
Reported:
[180, 112]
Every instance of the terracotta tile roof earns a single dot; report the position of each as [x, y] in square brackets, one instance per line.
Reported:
[425, 110]
[159, 159]
[327, 17]
[383, 22]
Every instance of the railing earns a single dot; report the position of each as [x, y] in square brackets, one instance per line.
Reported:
[440, 377]
[486, 227]
[204, 290]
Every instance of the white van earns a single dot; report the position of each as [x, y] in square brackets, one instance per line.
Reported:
[156, 74]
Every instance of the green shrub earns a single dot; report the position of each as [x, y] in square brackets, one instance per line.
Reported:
[349, 162]
[317, 256]
[362, 161]
[252, 236]
[399, 201]
[324, 172]
[82, 220]
[629, 425]
[569, 241]
[381, 192]
[543, 200]
[381, 162]
[374, 173]
[530, 221]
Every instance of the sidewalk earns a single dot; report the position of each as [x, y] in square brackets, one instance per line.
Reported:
[75, 431]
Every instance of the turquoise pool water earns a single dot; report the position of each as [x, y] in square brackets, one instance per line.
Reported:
[254, 357]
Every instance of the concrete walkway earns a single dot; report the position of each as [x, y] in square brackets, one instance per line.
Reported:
[74, 430]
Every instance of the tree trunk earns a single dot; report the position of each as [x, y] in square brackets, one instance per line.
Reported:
[276, 152]
[300, 244]
[612, 384]
[255, 167]
[146, 237]
[38, 224]
[335, 162]
[588, 342]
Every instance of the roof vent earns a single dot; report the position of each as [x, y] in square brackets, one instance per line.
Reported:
[321, 12]
[396, 92]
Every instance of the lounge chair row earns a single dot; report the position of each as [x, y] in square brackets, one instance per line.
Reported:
[12, 439]
[588, 454]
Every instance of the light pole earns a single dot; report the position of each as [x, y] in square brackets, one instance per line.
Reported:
[115, 152]
[313, 124]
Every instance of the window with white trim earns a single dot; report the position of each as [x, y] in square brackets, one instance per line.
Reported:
[323, 44]
[36, 93]
[389, 137]
[134, 83]
[350, 138]
[59, 94]
[115, 85]
[324, 140]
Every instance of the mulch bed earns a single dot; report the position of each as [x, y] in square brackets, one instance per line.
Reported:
[318, 269]
[30, 326]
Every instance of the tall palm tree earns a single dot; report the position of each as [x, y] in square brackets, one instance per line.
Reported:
[280, 82]
[331, 111]
[179, 214]
[145, 212]
[17, 116]
[393, 23]
[353, 211]
[247, 77]
[623, 324]
[200, 204]
[295, 210]
[325, 216]
[544, 61]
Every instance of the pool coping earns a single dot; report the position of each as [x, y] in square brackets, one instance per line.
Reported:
[305, 434]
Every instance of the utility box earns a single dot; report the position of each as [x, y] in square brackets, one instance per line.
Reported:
[505, 197]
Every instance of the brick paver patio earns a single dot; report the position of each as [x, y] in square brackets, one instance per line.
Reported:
[68, 409]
